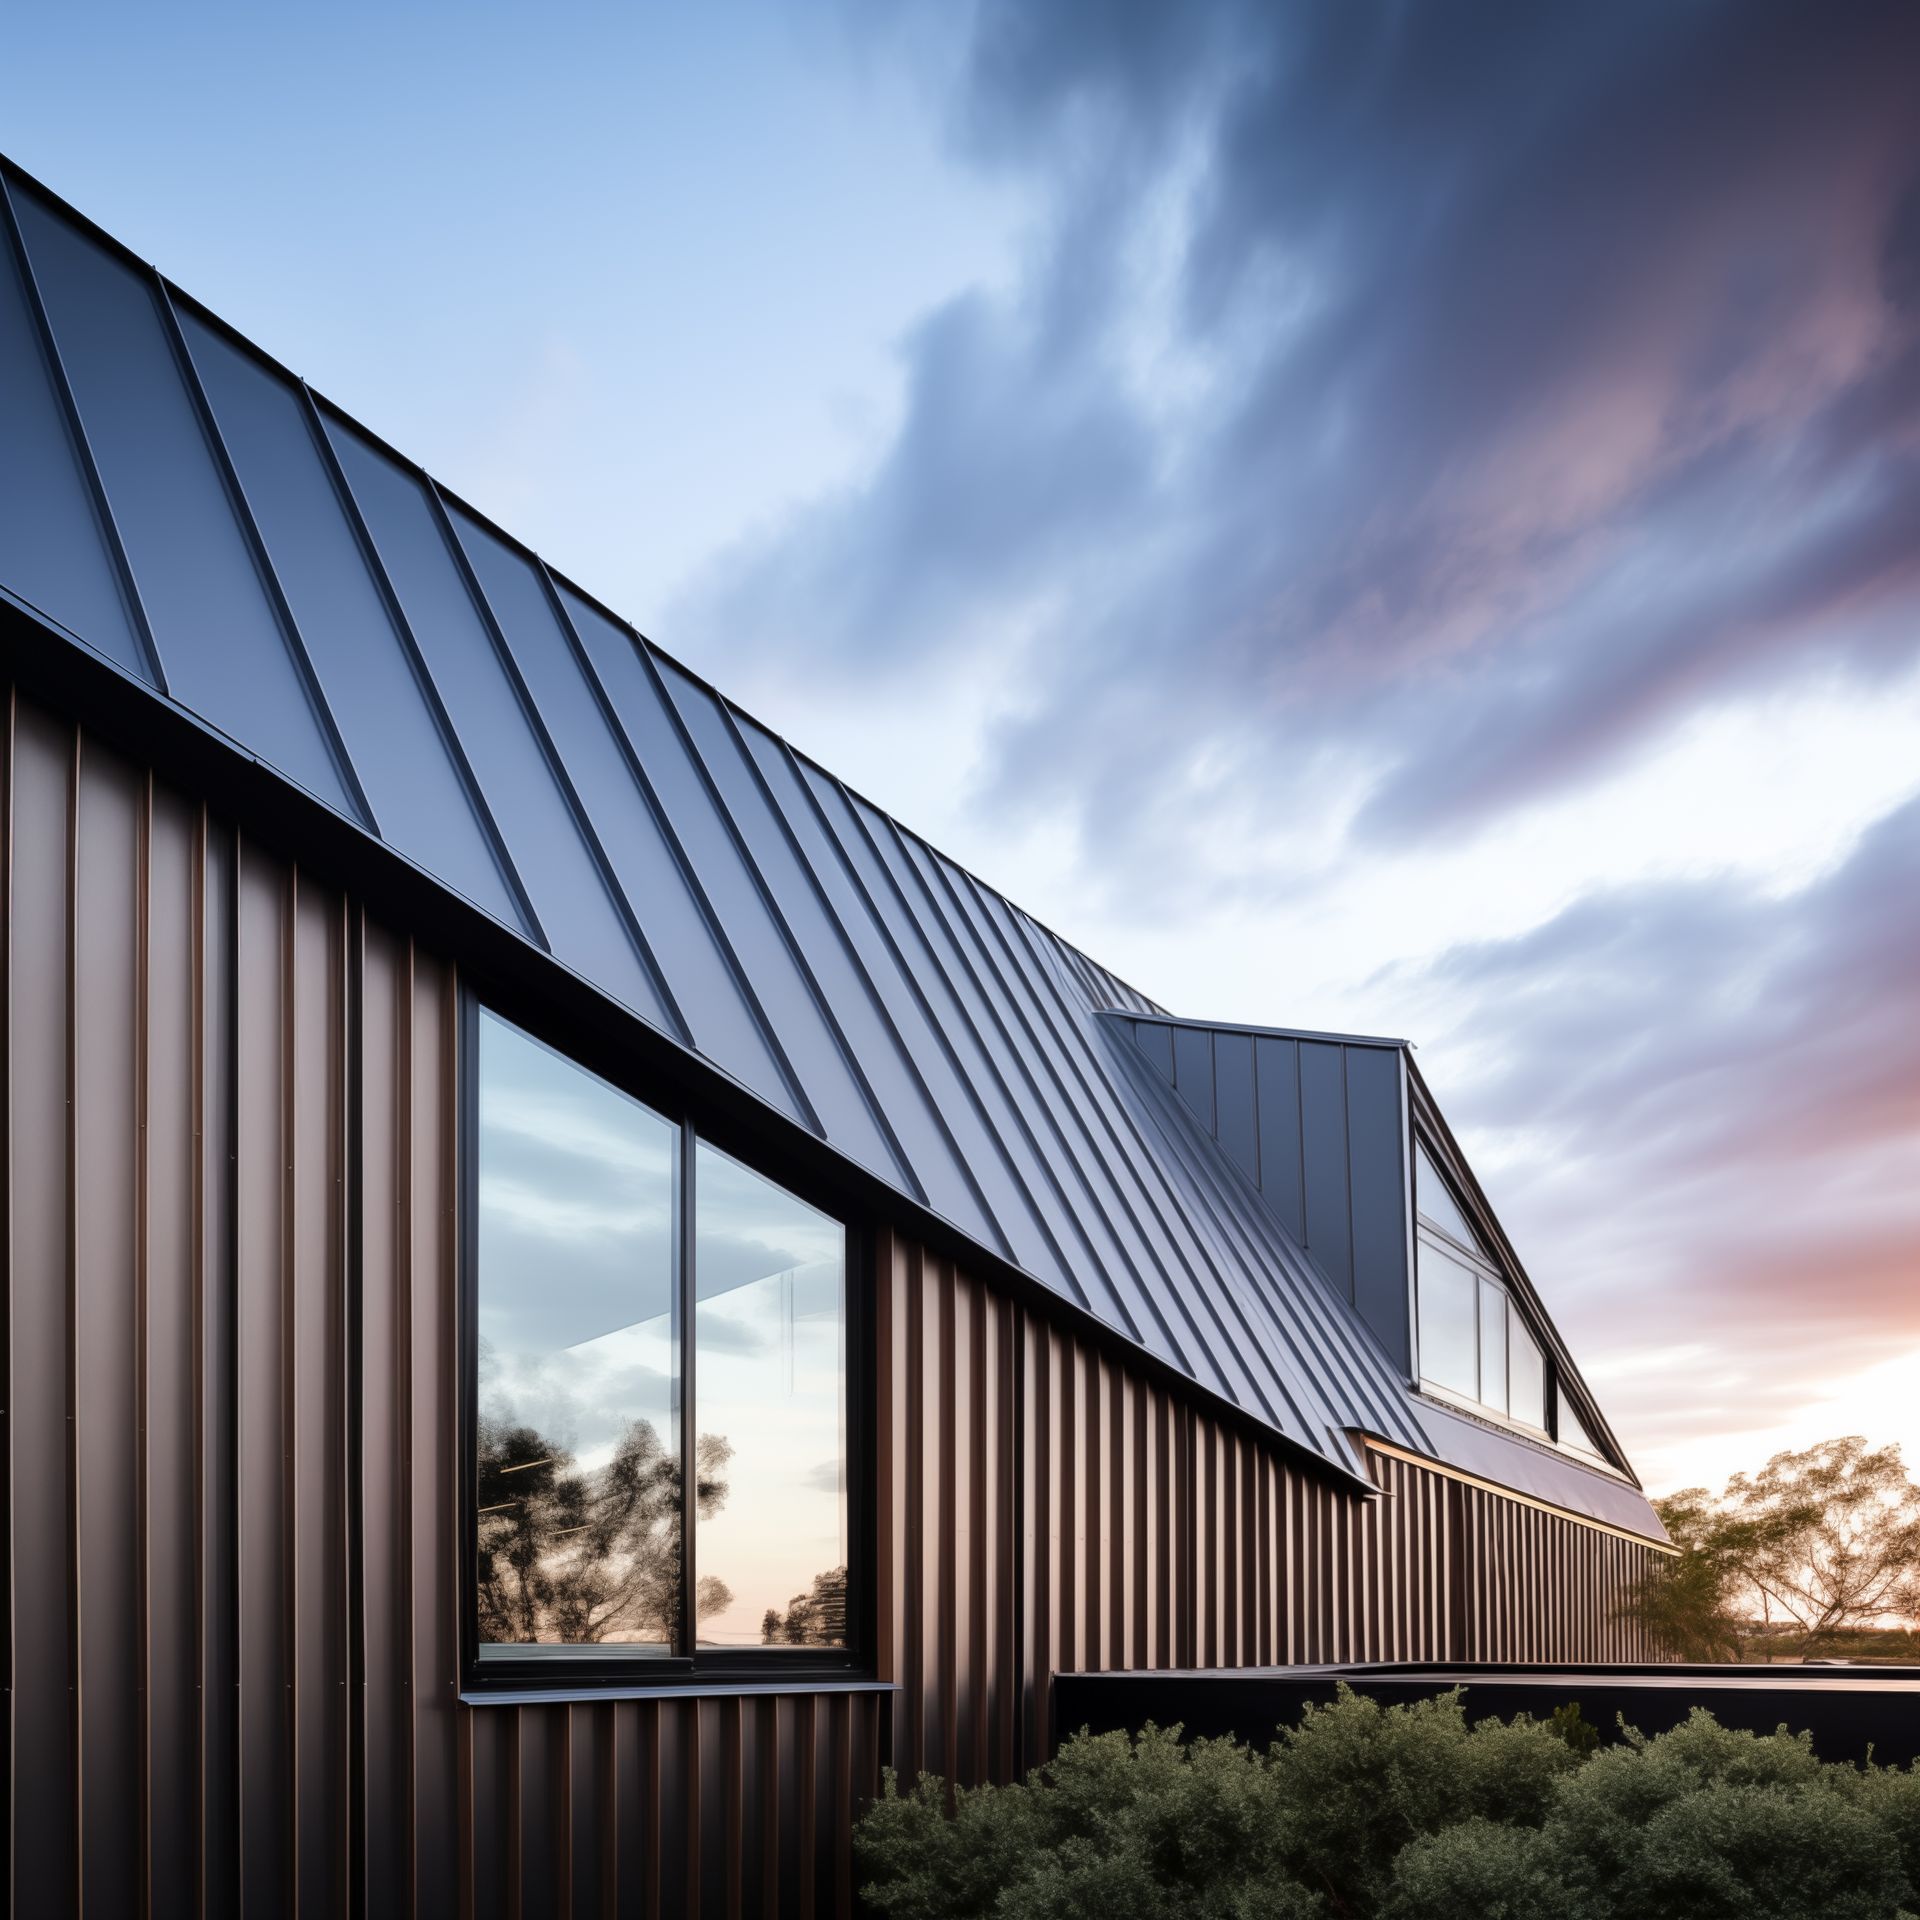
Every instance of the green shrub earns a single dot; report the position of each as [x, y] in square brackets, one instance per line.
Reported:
[1407, 1813]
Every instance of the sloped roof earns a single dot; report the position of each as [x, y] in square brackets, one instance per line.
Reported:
[177, 503]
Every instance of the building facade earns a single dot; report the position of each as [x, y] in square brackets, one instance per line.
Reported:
[573, 1290]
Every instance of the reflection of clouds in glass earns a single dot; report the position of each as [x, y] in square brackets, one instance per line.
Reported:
[584, 1397]
[723, 1333]
[552, 1213]
[750, 1228]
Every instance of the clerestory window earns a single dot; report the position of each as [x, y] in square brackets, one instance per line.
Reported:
[1475, 1343]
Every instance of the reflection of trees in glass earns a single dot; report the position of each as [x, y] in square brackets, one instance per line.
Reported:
[816, 1619]
[579, 1557]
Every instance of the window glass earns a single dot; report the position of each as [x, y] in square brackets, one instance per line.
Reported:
[1572, 1433]
[577, 1448]
[1449, 1348]
[1493, 1347]
[1526, 1373]
[770, 1356]
[1435, 1199]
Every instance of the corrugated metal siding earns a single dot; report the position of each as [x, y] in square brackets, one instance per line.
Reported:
[1046, 1507]
[231, 1477]
[232, 1472]
[240, 548]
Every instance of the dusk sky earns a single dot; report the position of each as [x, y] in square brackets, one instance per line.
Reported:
[1392, 518]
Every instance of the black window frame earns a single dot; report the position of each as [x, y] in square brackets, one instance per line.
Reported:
[586, 1673]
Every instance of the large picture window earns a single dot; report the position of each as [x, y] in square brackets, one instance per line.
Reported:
[640, 1301]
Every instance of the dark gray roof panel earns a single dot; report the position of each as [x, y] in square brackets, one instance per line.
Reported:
[1377, 1185]
[1512, 1462]
[55, 550]
[1323, 1160]
[1317, 1123]
[327, 605]
[201, 586]
[556, 865]
[1276, 1078]
[717, 1005]
[380, 700]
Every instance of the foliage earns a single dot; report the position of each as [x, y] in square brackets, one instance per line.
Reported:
[1691, 1605]
[1407, 1813]
[588, 1556]
[1581, 1735]
[1355, 1782]
[1696, 1824]
[1828, 1540]
[814, 1619]
[1857, 1558]
[1857, 1646]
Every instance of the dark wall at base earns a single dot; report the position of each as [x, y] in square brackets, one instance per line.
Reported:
[1850, 1713]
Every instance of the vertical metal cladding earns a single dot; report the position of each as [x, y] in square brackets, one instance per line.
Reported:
[232, 1460]
[231, 1445]
[1045, 1506]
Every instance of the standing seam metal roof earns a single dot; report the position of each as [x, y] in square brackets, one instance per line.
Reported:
[233, 542]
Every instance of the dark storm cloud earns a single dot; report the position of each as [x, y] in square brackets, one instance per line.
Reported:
[1535, 376]
[1406, 413]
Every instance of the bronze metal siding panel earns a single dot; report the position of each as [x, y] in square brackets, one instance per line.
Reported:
[7, 1650]
[382, 1415]
[220, 1373]
[264, 1595]
[432, 1430]
[316, 1323]
[105, 1125]
[173, 1517]
[45, 1814]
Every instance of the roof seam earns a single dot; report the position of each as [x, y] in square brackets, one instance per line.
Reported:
[109, 527]
[576, 807]
[416, 659]
[262, 556]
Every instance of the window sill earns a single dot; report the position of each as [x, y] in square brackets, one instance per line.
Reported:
[585, 1693]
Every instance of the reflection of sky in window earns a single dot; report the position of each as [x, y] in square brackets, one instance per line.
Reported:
[770, 1273]
[1436, 1201]
[576, 1194]
[1449, 1349]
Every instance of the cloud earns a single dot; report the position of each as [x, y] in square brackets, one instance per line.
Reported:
[1706, 1099]
[1431, 403]
[1403, 418]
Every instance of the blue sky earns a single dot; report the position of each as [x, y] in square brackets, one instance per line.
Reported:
[1395, 518]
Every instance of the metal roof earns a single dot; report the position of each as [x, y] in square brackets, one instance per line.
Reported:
[175, 501]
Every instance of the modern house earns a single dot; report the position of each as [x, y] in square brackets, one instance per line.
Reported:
[573, 1288]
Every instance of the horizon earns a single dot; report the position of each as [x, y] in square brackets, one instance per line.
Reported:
[1540, 680]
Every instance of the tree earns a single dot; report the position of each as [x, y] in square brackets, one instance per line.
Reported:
[1693, 1605]
[1852, 1553]
[584, 1557]
[816, 1619]
[1828, 1539]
